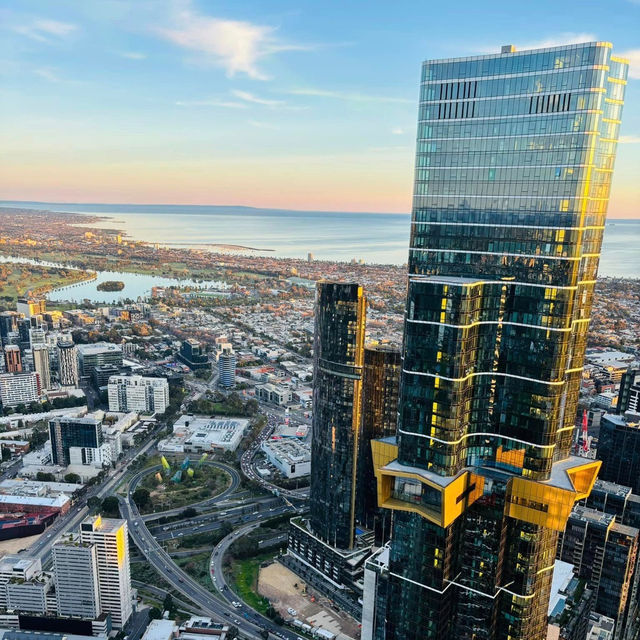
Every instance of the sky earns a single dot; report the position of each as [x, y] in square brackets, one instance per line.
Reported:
[285, 104]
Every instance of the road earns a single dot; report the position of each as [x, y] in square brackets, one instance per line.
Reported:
[215, 607]
[246, 464]
[42, 547]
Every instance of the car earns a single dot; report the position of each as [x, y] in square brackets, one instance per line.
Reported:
[292, 611]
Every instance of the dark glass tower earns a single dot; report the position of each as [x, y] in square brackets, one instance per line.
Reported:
[338, 357]
[380, 383]
[514, 159]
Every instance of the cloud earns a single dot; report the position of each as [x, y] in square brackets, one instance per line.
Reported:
[213, 102]
[236, 46]
[629, 139]
[133, 55]
[250, 97]
[263, 125]
[348, 96]
[48, 74]
[43, 30]
[397, 131]
[633, 56]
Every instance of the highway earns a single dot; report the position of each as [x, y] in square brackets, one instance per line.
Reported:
[249, 625]
[71, 520]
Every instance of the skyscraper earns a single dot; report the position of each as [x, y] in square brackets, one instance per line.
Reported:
[227, 367]
[13, 358]
[40, 353]
[67, 363]
[75, 566]
[379, 417]
[110, 537]
[76, 441]
[514, 159]
[325, 544]
[338, 358]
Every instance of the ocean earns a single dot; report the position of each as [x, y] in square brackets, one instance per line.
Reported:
[372, 237]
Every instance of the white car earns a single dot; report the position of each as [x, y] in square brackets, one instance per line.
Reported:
[292, 612]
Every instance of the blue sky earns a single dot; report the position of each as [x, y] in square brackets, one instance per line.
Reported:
[281, 104]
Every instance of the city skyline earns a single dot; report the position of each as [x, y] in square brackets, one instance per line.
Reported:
[300, 108]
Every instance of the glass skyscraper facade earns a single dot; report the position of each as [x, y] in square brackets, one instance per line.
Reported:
[379, 419]
[514, 159]
[340, 312]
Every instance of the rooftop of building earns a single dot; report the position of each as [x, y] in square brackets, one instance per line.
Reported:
[98, 347]
[511, 50]
[291, 451]
[103, 525]
[160, 630]
[585, 514]
[612, 488]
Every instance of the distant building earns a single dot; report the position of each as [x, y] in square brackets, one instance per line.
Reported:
[629, 393]
[75, 566]
[193, 355]
[227, 368]
[31, 307]
[274, 394]
[67, 364]
[12, 358]
[41, 366]
[290, 457]
[138, 393]
[78, 441]
[91, 356]
[102, 373]
[619, 450]
[8, 324]
[110, 536]
[605, 554]
[19, 388]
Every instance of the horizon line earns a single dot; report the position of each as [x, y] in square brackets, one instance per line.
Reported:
[219, 206]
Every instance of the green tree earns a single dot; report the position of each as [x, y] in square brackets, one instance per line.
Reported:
[142, 497]
[110, 506]
[45, 477]
[168, 603]
[155, 613]
[72, 478]
[232, 633]
[93, 502]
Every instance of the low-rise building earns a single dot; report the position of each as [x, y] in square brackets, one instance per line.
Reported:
[290, 457]
[274, 394]
[199, 434]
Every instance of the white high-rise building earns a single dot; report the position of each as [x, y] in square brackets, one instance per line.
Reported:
[16, 566]
[75, 565]
[40, 354]
[67, 364]
[110, 536]
[138, 393]
[19, 388]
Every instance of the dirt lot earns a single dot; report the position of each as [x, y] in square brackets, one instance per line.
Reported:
[286, 590]
[14, 545]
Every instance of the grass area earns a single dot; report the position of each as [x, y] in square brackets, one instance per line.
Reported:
[243, 576]
[17, 280]
[206, 482]
[197, 566]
